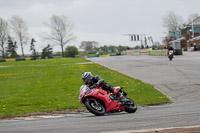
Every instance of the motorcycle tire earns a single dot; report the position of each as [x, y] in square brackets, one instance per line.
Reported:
[131, 106]
[95, 109]
[170, 58]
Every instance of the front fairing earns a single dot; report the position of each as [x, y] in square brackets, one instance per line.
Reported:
[171, 52]
[83, 89]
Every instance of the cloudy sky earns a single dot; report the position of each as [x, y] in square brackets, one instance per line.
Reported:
[104, 21]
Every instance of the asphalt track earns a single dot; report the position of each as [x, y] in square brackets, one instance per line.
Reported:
[178, 79]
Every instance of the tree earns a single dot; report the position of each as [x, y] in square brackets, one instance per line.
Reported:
[47, 52]
[172, 21]
[12, 47]
[19, 27]
[121, 48]
[112, 48]
[32, 48]
[61, 31]
[71, 51]
[191, 17]
[104, 49]
[89, 46]
[136, 47]
[3, 35]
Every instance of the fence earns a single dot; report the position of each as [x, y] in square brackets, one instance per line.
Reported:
[138, 52]
[160, 52]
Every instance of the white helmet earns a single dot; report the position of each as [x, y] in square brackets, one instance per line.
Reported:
[87, 77]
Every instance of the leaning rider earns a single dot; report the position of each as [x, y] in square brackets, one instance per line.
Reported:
[94, 81]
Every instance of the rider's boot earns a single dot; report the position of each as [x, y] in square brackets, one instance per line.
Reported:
[119, 95]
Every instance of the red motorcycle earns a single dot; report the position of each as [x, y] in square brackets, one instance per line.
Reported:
[99, 101]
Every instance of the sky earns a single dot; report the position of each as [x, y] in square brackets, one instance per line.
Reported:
[104, 21]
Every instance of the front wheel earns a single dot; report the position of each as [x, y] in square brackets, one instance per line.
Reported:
[130, 106]
[170, 58]
[95, 107]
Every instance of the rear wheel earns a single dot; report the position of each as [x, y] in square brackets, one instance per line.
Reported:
[95, 107]
[130, 106]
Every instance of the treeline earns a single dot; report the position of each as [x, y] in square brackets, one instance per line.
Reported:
[14, 34]
[93, 47]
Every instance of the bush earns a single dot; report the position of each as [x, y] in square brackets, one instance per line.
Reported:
[71, 51]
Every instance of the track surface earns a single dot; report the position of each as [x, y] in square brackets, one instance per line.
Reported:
[178, 79]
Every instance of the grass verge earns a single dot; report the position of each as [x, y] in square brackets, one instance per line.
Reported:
[53, 85]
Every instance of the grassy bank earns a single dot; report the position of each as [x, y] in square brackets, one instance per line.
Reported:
[49, 85]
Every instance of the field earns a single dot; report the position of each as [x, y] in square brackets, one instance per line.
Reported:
[53, 85]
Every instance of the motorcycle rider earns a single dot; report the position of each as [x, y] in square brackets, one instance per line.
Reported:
[170, 48]
[94, 81]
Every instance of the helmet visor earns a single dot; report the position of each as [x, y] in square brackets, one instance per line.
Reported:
[85, 80]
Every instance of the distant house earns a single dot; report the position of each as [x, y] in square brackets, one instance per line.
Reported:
[191, 32]
[187, 38]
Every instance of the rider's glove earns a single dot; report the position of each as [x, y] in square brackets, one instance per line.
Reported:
[93, 86]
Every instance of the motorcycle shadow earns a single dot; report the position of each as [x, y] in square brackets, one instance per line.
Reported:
[109, 114]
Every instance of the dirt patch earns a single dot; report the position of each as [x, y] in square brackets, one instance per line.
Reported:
[4, 66]
[82, 109]
[174, 130]
[47, 113]
[190, 129]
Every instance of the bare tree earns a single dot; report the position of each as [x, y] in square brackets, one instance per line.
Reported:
[19, 27]
[61, 31]
[89, 46]
[191, 17]
[3, 35]
[172, 21]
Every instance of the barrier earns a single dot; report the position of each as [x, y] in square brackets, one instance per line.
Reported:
[138, 52]
[20, 59]
[28, 58]
[12, 60]
[160, 52]
[2, 60]
[144, 51]
[104, 55]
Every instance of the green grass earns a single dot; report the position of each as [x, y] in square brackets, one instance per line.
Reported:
[50, 85]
